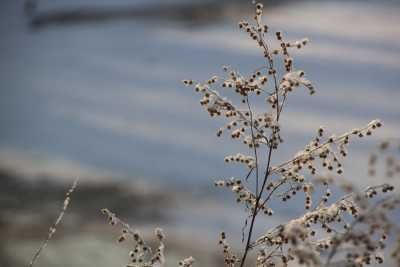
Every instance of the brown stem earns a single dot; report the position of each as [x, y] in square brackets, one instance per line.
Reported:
[253, 141]
[268, 171]
[253, 218]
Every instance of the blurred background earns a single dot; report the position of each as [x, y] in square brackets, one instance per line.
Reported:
[92, 89]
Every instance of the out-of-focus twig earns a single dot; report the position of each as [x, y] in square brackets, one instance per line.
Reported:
[53, 227]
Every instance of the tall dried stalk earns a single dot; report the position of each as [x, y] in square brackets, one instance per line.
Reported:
[286, 179]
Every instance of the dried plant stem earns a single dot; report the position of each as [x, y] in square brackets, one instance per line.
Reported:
[256, 209]
[344, 198]
[253, 218]
[351, 227]
[271, 67]
[253, 143]
[267, 171]
[272, 192]
[242, 116]
[116, 220]
[342, 137]
[295, 239]
[53, 228]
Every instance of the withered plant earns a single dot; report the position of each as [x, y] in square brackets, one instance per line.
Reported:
[351, 230]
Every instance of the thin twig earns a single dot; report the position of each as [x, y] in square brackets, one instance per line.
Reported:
[272, 192]
[256, 209]
[249, 173]
[239, 112]
[253, 142]
[53, 228]
[352, 225]
[343, 136]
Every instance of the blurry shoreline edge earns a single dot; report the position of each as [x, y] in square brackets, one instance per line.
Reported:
[189, 12]
[192, 12]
